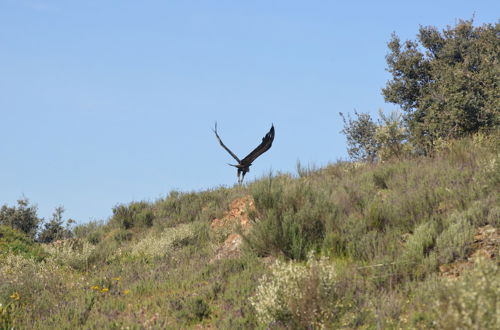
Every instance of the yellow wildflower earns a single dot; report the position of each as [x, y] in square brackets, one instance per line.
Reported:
[126, 292]
[104, 290]
[116, 278]
[15, 296]
[95, 287]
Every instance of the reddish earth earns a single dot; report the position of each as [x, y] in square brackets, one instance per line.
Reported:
[237, 214]
[485, 245]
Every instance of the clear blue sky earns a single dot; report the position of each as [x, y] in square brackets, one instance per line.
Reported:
[106, 102]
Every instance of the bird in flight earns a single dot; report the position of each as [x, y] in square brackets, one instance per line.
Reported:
[244, 164]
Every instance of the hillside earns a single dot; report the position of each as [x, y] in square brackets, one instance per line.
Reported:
[408, 243]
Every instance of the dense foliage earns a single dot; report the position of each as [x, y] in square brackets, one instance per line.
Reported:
[446, 82]
[371, 141]
[448, 85]
[360, 134]
[54, 229]
[23, 217]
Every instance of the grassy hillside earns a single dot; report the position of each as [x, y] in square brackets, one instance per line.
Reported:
[401, 244]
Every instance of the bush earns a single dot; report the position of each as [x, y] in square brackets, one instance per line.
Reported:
[391, 137]
[136, 214]
[15, 242]
[189, 207]
[369, 141]
[302, 295]
[198, 309]
[23, 217]
[91, 231]
[30, 280]
[291, 218]
[360, 133]
[72, 252]
[454, 242]
[122, 235]
[54, 229]
[417, 260]
[161, 244]
[470, 302]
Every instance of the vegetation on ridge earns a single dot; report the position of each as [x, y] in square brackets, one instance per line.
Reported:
[349, 245]
[401, 239]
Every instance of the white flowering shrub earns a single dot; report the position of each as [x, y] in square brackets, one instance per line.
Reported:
[298, 294]
[471, 302]
[71, 252]
[154, 245]
[13, 266]
[25, 279]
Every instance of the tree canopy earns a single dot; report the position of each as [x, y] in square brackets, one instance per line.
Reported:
[446, 82]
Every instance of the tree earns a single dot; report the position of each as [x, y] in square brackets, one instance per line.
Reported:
[23, 217]
[382, 140]
[447, 83]
[360, 134]
[54, 229]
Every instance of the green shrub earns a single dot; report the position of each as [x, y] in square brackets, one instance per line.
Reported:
[180, 207]
[292, 219]
[23, 217]
[122, 235]
[136, 214]
[416, 259]
[484, 211]
[360, 134]
[391, 136]
[31, 282]
[421, 242]
[72, 252]
[54, 229]
[370, 141]
[454, 242]
[91, 231]
[145, 218]
[106, 251]
[302, 295]
[377, 214]
[494, 216]
[471, 302]
[199, 309]
[15, 242]
[161, 244]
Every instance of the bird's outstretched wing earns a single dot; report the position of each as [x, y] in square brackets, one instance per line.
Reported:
[224, 146]
[267, 142]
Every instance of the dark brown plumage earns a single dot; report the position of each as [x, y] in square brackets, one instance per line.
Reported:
[244, 164]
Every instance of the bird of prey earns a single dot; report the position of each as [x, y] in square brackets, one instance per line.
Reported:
[244, 164]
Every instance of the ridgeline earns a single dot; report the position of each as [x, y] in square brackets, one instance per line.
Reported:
[404, 243]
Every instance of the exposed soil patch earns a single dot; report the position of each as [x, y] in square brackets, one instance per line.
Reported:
[237, 214]
[486, 245]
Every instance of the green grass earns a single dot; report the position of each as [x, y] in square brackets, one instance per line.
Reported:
[350, 245]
